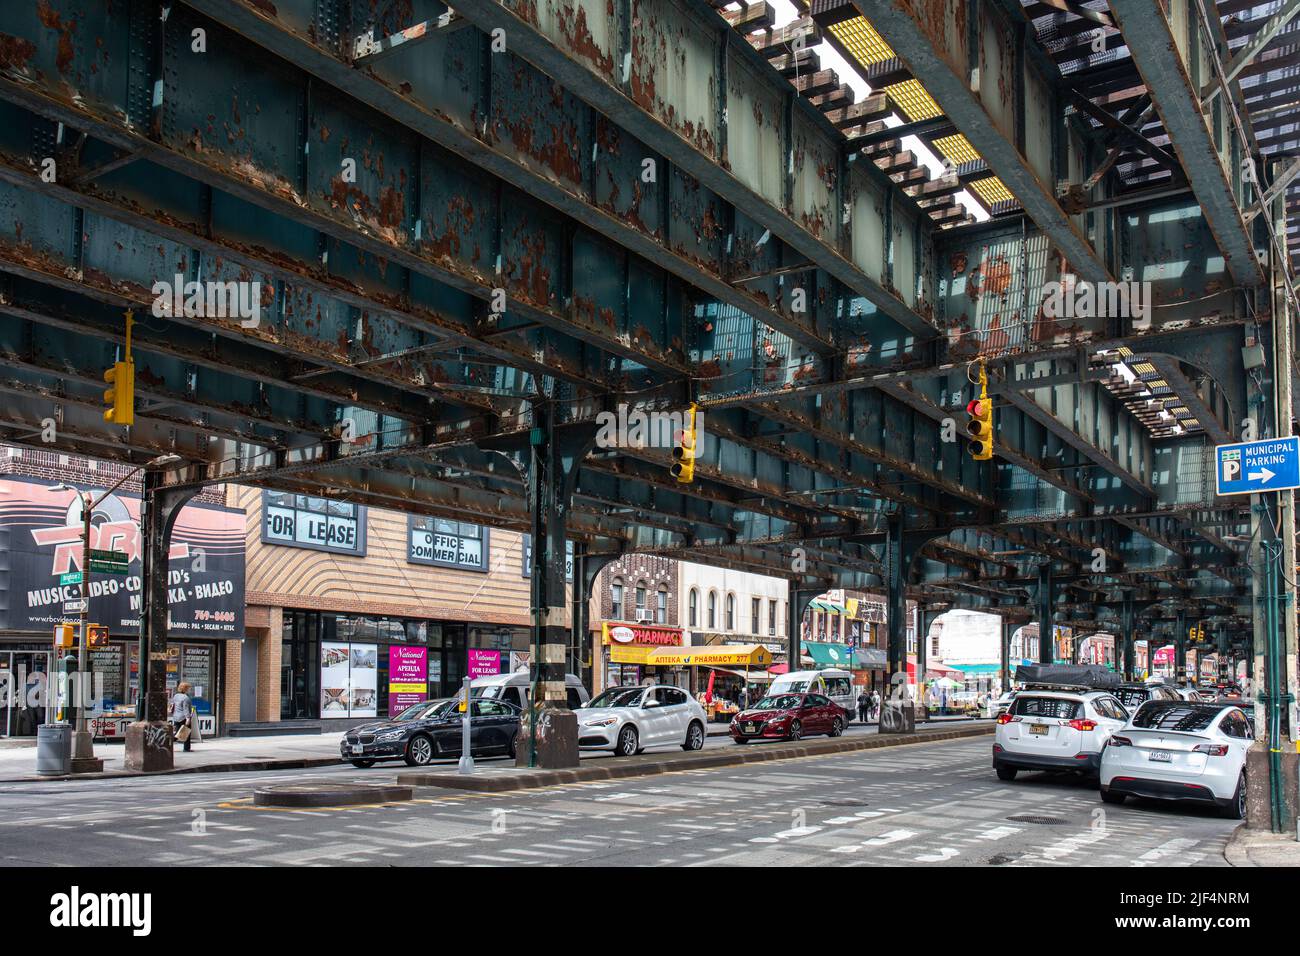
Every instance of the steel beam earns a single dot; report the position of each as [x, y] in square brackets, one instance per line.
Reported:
[1159, 58]
[975, 69]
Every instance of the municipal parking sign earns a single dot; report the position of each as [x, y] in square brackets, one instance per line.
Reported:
[1247, 468]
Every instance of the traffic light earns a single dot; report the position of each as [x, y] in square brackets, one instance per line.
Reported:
[683, 467]
[980, 426]
[120, 394]
[64, 635]
[97, 635]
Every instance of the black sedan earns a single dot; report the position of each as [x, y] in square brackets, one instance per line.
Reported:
[431, 730]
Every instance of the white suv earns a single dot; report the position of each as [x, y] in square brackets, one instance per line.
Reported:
[1055, 730]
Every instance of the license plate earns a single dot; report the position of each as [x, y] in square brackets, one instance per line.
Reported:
[751, 728]
[1038, 728]
[358, 749]
[1162, 756]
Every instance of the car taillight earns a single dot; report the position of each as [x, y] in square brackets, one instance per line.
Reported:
[1214, 750]
[1118, 741]
[1006, 718]
[1078, 724]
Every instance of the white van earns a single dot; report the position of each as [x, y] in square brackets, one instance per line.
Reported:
[515, 688]
[832, 682]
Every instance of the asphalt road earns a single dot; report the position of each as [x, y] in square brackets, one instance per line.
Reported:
[926, 804]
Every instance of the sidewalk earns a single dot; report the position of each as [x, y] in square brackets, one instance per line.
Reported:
[217, 754]
[1261, 848]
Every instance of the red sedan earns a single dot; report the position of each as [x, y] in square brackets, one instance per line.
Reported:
[788, 717]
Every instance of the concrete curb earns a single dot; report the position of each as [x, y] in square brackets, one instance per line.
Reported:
[323, 795]
[667, 763]
[1235, 852]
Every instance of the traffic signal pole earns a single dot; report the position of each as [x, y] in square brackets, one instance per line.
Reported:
[83, 748]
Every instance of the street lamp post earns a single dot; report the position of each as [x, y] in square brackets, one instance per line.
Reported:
[83, 751]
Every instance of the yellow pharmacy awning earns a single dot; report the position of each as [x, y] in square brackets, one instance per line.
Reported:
[623, 654]
[734, 655]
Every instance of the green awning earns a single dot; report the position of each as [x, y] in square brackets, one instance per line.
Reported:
[829, 655]
[829, 607]
[976, 668]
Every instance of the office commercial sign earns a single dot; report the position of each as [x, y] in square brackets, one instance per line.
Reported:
[40, 535]
[1247, 468]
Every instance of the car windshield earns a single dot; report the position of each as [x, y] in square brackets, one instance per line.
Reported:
[1183, 716]
[798, 686]
[425, 708]
[1057, 707]
[618, 697]
[491, 693]
[1133, 696]
[778, 702]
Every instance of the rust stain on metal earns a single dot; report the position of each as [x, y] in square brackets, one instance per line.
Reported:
[51, 20]
[15, 52]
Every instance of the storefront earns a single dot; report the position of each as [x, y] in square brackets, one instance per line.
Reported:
[625, 655]
[350, 667]
[42, 585]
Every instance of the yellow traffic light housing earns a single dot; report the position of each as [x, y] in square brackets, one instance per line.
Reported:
[980, 425]
[64, 635]
[683, 466]
[120, 394]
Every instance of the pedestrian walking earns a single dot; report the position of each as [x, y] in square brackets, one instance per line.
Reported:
[875, 704]
[864, 706]
[182, 714]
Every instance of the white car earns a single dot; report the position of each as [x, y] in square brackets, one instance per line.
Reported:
[1055, 730]
[627, 720]
[1180, 750]
[1001, 705]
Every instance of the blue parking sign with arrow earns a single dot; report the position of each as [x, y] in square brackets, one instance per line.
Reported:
[1247, 468]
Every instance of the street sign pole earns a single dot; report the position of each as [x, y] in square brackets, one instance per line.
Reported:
[82, 744]
[466, 764]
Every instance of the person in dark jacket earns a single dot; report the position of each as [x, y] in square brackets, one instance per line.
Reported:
[864, 705]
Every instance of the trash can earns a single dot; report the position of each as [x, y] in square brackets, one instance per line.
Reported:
[54, 749]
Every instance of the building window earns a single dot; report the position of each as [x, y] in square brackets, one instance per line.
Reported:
[302, 521]
[755, 612]
[661, 609]
[771, 618]
[731, 612]
[695, 607]
[616, 600]
[447, 544]
[713, 610]
[640, 601]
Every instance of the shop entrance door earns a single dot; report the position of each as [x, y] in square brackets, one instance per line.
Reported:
[22, 692]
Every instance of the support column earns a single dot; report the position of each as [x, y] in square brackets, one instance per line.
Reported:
[1046, 644]
[924, 618]
[797, 601]
[895, 601]
[1128, 621]
[1004, 654]
[149, 738]
[1180, 647]
[548, 734]
[586, 568]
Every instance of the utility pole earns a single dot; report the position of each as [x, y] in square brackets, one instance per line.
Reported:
[83, 744]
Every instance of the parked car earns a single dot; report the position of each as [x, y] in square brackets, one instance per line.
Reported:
[829, 682]
[788, 717]
[515, 688]
[432, 729]
[1133, 696]
[1002, 704]
[1055, 730]
[627, 720]
[1180, 750]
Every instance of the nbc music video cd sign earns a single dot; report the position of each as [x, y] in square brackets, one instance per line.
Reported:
[1247, 468]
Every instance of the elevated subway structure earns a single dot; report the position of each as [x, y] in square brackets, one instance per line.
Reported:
[475, 232]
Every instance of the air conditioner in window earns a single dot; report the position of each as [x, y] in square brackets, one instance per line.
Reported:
[645, 619]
